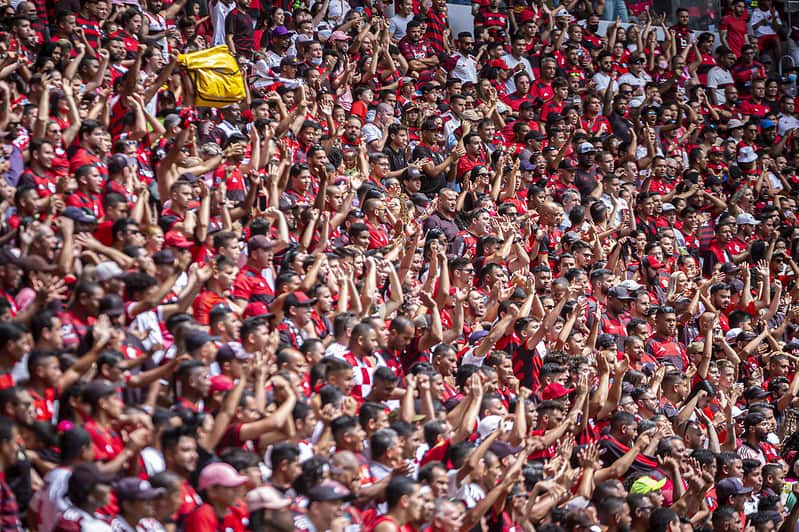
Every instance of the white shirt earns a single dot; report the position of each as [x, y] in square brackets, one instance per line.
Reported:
[88, 523]
[785, 123]
[51, 500]
[765, 28]
[636, 81]
[719, 77]
[465, 69]
[512, 62]
[219, 13]
[602, 81]
[399, 26]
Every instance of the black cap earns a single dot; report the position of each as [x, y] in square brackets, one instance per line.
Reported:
[164, 256]
[755, 392]
[89, 474]
[430, 125]
[136, 489]
[112, 305]
[298, 299]
[568, 164]
[619, 292]
[78, 215]
[502, 449]
[117, 163]
[231, 351]
[196, 338]
[189, 177]
[97, 389]
[329, 490]
[412, 173]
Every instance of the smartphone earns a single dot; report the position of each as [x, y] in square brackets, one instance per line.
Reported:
[262, 203]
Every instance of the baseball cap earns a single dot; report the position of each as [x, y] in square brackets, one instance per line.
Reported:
[647, 484]
[117, 163]
[256, 308]
[555, 390]
[281, 31]
[654, 263]
[196, 338]
[105, 271]
[730, 268]
[136, 489]
[35, 263]
[88, 474]
[177, 240]
[97, 389]
[111, 305]
[767, 123]
[339, 35]
[259, 242]
[668, 207]
[730, 486]
[329, 490]
[220, 474]
[631, 286]
[502, 449]
[266, 498]
[78, 215]
[568, 164]
[412, 173]
[734, 124]
[221, 383]
[298, 299]
[746, 219]
[619, 292]
[164, 256]
[585, 147]
[755, 392]
[231, 351]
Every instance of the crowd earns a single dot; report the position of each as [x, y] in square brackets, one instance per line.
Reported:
[531, 277]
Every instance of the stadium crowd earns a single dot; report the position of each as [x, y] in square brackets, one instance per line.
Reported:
[532, 277]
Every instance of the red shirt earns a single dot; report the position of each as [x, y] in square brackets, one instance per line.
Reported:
[107, 443]
[251, 285]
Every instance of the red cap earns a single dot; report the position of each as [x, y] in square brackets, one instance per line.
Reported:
[221, 383]
[526, 15]
[498, 63]
[653, 262]
[256, 308]
[716, 149]
[176, 239]
[555, 390]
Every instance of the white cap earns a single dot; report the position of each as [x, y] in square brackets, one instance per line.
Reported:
[487, 425]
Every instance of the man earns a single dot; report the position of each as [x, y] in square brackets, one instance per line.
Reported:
[179, 447]
[250, 284]
[444, 217]
[325, 505]
[435, 164]
[733, 31]
[720, 75]
[465, 68]
[404, 505]
[399, 22]
[417, 51]
[517, 62]
[756, 429]
[9, 453]
[386, 453]
[614, 514]
[362, 345]
[297, 312]
[106, 409]
[268, 510]
[220, 482]
[239, 27]
[786, 119]
[87, 196]
[437, 25]
[637, 78]
[88, 491]
[765, 25]
[135, 498]
[664, 345]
